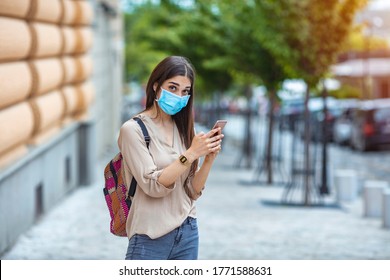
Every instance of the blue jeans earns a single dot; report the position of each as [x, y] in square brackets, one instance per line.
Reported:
[180, 244]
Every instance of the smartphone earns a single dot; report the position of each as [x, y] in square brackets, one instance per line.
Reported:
[220, 123]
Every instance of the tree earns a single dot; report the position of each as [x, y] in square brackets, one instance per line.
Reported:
[251, 63]
[144, 25]
[357, 41]
[156, 30]
[312, 33]
[264, 39]
[203, 39]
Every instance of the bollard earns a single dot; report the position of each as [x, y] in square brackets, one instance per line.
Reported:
[373, 198]
[346, 184]
[386, 208]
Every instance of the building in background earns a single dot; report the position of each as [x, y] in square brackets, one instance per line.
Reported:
[60, 93]
[369, 70]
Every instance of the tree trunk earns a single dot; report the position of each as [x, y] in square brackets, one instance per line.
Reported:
[307, 149]
[248, 132]
[324, 172]
[270, 137]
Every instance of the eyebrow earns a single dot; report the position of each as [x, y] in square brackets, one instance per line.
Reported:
[176, 84]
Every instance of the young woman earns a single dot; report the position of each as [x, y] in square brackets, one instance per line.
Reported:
[162, 219]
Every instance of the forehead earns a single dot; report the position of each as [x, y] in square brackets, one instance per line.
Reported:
[182, 81]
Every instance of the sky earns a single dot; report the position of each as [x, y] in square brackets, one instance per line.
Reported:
[380, 4]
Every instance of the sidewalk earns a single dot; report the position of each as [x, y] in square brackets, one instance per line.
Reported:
[235, 222]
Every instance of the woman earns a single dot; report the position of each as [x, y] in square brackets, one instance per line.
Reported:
[162, 219]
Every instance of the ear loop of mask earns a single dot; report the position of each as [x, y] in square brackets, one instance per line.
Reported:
[155, 92]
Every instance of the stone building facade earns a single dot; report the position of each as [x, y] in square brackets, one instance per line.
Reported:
[60, 93]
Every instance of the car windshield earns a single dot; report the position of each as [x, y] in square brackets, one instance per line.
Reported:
[382, 114]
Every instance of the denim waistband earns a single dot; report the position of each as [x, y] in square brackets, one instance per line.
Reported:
[188, 220]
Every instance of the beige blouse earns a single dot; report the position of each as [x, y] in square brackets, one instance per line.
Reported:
[155, 210]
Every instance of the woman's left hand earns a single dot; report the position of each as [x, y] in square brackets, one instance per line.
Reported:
[211, 156]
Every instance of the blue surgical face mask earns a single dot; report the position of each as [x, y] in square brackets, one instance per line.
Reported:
[171, 103]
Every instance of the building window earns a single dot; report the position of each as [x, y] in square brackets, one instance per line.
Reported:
[384, 89]
[38, 201]
[68, 168]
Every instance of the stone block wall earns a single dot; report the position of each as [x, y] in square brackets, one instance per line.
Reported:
[45, 71]
[60, 93]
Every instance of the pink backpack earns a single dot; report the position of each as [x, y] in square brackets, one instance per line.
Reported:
[115, 192]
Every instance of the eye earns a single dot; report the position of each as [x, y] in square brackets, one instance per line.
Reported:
[172, 88]
[186, 92]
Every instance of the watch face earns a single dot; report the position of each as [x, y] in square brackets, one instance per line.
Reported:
[183, 159]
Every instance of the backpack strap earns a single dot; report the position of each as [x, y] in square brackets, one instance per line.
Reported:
[144, 131]
[133, 183]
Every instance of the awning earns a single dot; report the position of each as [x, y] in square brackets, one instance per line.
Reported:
[375, 67]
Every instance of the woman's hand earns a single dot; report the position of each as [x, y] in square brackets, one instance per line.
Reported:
[212, 145]
[211, 156]
[205, 144]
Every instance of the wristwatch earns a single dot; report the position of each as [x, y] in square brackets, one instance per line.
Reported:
[184, 160]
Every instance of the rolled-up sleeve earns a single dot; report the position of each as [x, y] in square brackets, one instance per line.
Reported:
[194, 195]
[139, 162]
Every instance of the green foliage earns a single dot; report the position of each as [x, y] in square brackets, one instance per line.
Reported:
[239, 41]
[203, 41]
[158, 30]
[358, 41]
[346, 91]
[307, 34]
[250, 61]
[144, 26]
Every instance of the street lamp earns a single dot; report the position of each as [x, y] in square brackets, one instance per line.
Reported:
[327, 84]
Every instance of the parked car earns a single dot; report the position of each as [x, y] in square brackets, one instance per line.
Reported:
[317, 118]
[371, 125]
[342, 127]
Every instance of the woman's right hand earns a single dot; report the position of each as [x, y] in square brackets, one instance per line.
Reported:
[205, 143]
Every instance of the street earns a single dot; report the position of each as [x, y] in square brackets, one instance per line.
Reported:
[370, 165]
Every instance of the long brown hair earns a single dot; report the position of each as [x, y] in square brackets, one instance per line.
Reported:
[170, 67]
